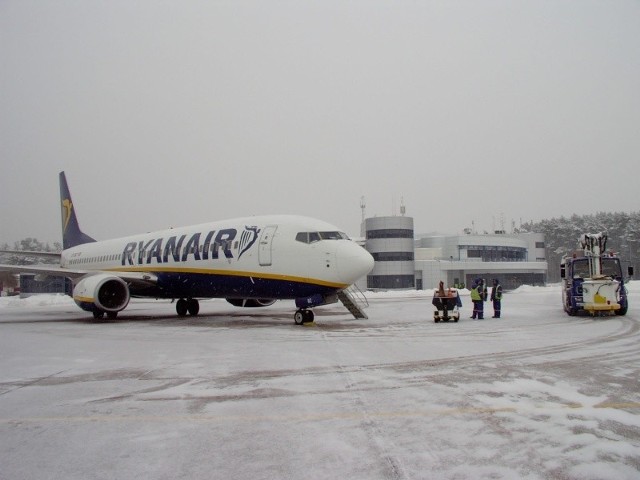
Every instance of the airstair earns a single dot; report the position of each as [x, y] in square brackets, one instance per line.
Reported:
[354, 300]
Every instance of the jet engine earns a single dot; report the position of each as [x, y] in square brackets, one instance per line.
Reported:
[251, 302]
[101, 293]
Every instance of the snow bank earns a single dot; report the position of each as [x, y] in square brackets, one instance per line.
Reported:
[537, 289]
[42, 300]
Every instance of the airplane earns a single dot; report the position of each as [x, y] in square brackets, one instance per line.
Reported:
[250, 262]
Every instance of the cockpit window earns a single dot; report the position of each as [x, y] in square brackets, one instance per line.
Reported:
[311, 237]
[333, 236]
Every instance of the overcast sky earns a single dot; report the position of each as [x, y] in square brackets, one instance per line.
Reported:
[171, 113]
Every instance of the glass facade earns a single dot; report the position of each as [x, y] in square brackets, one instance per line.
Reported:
[390, 233]
[29, 285]
[390, 281]
[496, 253]
[393, 256]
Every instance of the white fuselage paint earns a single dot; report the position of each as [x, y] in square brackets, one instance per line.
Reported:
[262, 248]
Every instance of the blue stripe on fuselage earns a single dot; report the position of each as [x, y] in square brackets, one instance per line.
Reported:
[201, 285]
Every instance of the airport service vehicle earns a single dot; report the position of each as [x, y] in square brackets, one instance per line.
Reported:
[592, 279]
[447, 306]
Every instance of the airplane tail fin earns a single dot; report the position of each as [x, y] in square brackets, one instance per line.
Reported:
[71, 233]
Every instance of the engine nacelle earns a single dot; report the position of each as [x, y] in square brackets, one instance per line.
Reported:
[101, 292]
[251, 302]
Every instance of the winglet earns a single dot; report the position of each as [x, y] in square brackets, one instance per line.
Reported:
[71, 233]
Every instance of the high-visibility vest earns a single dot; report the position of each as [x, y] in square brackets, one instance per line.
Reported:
[497, 292]
[475, 294]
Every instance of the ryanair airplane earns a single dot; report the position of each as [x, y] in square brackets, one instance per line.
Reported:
[251, 262]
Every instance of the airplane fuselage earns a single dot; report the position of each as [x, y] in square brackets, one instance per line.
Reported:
[276, 257]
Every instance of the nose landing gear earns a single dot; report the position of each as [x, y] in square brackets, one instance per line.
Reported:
[303, 316]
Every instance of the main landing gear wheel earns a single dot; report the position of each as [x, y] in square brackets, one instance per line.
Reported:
[193, 307]
[303, 316]
[190, 306]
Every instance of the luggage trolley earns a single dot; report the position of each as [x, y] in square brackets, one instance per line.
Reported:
[447, 303]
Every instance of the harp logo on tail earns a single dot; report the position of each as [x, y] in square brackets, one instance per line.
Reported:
[67, 206]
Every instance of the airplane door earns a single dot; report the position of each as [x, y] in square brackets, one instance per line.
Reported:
[266, 239]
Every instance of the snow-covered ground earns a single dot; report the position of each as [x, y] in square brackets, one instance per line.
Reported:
[246, 394]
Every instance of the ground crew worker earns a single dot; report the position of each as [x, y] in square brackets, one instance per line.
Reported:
[478, 297]
[496, 298]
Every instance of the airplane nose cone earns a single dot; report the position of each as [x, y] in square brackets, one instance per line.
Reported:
[353, 261]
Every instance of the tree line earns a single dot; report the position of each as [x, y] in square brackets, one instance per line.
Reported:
[29, 245]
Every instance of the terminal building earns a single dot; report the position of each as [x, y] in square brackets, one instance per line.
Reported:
[405, 262]
[515, 259]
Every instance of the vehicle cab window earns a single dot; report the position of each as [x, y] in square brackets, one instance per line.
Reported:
[581, 269]
[611, 268]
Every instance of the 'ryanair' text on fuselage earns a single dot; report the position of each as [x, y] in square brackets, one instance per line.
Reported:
[164, 250]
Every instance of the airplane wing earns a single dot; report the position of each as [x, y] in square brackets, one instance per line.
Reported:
[50, 270]
[27, 253]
